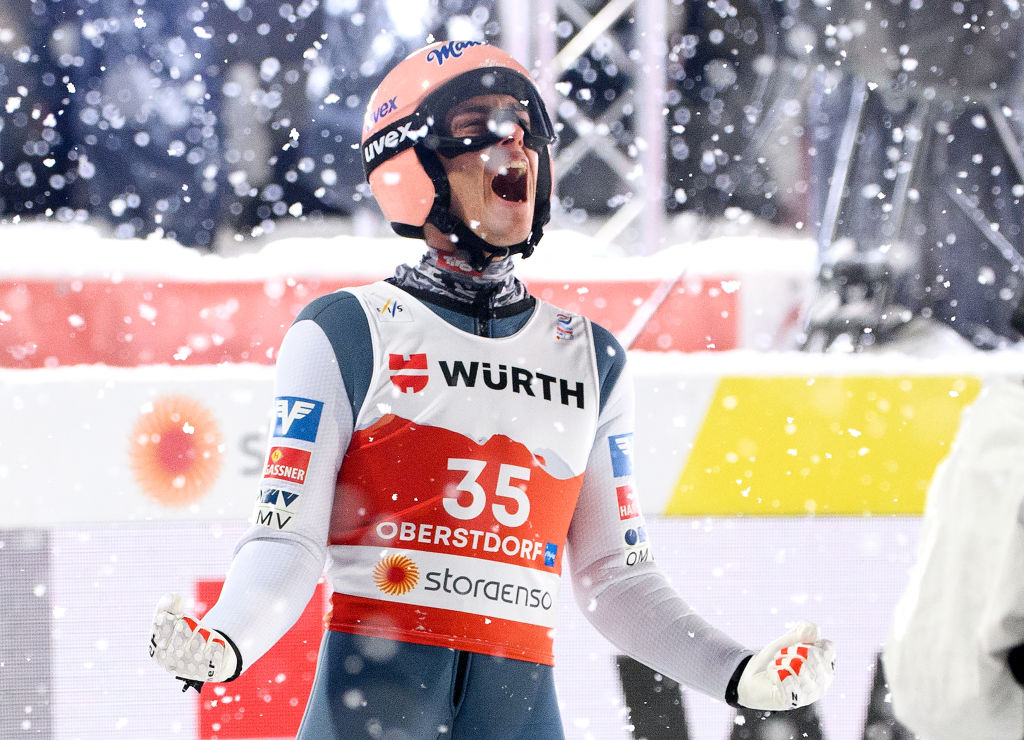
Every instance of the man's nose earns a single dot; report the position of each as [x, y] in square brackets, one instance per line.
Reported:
[513, 133]
[509, 127]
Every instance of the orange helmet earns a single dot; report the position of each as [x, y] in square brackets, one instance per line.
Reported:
[404, 131]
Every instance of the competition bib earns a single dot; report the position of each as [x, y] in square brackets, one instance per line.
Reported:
[456, 492]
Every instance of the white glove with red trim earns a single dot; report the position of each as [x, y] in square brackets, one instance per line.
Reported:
[188, 650]
[791, 672]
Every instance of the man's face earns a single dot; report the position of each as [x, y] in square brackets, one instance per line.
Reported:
[494, 190]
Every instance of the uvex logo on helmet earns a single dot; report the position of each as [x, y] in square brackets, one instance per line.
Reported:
[397, 137]
[382, 111]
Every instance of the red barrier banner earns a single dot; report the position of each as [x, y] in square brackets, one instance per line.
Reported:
[269, 698]
[52, 323]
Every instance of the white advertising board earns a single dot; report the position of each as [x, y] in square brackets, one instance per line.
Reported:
[750, 577]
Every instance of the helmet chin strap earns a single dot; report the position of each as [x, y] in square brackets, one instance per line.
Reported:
[479, 251]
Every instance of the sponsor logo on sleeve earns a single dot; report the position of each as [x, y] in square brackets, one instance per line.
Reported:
[408, 372]
[621, 448]
[276, 497]
[629, 507]
[637, 550]
[563, 327]
[297, 418]
[635, 547]
[288, 464]
[275, 508]
[635, 536]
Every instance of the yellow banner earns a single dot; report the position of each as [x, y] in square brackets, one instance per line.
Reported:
[857, 445]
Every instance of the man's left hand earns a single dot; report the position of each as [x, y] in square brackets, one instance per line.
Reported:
[791, 672]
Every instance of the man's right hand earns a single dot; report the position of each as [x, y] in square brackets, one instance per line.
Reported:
[188, 650]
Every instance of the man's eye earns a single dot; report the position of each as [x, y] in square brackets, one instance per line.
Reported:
[501, 125]
[506, 126]
[469, 128]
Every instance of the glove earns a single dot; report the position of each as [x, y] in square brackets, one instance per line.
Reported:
[191, 652]
[791, 672]
[1015, 658]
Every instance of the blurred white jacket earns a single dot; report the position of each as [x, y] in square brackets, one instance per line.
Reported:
[963, 609]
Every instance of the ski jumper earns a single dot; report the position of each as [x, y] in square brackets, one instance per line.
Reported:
[443, 457]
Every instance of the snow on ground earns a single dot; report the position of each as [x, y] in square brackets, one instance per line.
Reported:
[50, 250]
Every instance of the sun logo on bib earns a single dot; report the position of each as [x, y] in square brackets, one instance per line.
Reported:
[396, 575]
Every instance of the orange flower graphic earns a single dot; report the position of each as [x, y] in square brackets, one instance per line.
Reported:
[176, 451]
[396, 575]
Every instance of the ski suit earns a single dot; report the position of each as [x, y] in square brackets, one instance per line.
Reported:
[443, 450]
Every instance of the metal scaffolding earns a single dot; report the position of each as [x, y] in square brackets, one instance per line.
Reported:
[553, 36]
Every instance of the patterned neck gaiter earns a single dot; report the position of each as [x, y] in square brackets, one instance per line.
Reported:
[449, 275]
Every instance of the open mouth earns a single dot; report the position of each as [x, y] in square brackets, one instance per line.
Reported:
[510, 183]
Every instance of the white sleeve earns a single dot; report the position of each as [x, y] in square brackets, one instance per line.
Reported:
[962, 610]
[280, 559]
[1002, 478]
[633, 605]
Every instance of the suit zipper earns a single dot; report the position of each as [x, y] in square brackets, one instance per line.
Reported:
[482, 311]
